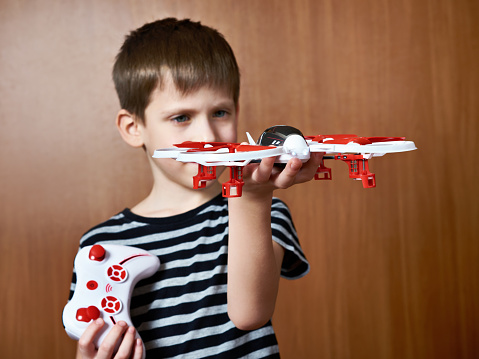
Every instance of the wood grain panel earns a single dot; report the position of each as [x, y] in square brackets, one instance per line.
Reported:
[393, 269]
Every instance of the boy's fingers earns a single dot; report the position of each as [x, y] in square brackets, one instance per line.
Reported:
[294, 172]
[127, 345]
[85, 343]
[262, 172]
[287, 177]
[138, 350]
[108, 344]
[309, 168]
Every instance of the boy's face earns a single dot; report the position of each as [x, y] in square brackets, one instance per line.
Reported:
[172, 117]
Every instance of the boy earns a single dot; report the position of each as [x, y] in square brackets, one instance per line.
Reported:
[221, 259]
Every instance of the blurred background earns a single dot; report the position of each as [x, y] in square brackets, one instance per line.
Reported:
[394, 269]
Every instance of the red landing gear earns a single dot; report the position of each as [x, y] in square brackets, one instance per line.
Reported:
[205, 173]
[358, 169]
[234, 187]
[231, 188]
[323, 172]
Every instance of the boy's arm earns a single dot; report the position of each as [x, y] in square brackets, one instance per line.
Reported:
[254, 259]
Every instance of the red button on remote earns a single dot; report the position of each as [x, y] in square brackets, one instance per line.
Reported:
[92, 285]
[117, 273]
[97, 253]
[111, 305]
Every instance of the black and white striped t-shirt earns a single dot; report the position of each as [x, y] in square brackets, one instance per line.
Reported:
[180, 312]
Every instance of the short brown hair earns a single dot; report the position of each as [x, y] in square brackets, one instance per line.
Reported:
[195, 55]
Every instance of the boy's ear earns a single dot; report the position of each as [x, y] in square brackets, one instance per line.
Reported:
[129, 128]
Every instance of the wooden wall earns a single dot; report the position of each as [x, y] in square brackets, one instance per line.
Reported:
[394, 269]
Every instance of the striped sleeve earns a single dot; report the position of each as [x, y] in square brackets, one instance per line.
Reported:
[295, 265]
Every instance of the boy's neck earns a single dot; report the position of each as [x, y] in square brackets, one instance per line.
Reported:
[166, 202]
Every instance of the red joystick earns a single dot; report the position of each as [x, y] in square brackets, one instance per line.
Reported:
[87, 314]
[97, 253]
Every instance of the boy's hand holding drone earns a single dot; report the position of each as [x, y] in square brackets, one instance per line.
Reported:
[265, 177]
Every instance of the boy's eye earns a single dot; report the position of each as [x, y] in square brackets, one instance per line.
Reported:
[220, 113]
[181, 118]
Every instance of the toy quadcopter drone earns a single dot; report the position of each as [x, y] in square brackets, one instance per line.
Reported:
[284, 143]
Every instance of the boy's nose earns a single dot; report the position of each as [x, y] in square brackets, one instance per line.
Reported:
[206, 132]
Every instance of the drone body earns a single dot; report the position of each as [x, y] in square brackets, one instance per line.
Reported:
[284, 143]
